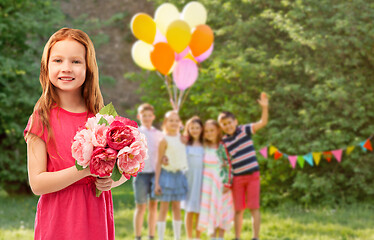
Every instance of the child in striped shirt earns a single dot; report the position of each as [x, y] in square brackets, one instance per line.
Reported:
[244, 175]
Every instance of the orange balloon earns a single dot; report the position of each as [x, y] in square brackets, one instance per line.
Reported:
[162, 57]
[201, 39]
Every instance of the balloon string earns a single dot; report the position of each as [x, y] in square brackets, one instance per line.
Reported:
[180, 98]
[175, 90]
[184, 97]
[169, 91]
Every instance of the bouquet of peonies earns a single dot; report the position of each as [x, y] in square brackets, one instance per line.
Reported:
[110, 145]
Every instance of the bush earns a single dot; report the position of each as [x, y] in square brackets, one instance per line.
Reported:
[24, 29]
[315, 60]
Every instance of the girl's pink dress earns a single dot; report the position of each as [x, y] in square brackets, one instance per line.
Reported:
[74, 212]
[216, 207]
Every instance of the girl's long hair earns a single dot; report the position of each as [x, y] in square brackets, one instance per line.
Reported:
[90, 88]
[186, 132]
[219, 132]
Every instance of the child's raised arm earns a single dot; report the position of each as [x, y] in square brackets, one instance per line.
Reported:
[41, 181]
[161, 153]
[264, 103]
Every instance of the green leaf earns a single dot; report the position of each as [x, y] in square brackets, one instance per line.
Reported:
[98, 192]
[109, 110]
[79, 167]
[102, 121]
[116, 175]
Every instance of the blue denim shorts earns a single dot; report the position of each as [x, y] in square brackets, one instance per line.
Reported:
[142, 185]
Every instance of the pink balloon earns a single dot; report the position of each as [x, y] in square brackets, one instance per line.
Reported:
[205, 55]
[185, 73]
[159, 38]
[179, 56]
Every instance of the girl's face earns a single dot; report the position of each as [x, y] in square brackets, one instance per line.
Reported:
[172, 122]
[211, 133]
[67, 65]
[195, 130]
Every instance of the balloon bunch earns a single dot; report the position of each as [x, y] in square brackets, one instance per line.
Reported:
[173, 42]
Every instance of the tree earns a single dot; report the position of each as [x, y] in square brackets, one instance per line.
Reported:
[315, 60]
[24, 29]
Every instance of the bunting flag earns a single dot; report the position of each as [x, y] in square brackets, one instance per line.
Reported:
[349, 149]
[337, 154]
[362, 144]
[315, 157]
[327, 155]
[264, 152]
[368, 146]
[272, 150]
[292, 160]
[300, 161]
[309, 159]
[277, 155]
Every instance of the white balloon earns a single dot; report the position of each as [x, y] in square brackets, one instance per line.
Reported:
[165, 14]
[194, 13]
[141, 54]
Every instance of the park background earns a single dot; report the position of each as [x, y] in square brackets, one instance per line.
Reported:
[315, 59]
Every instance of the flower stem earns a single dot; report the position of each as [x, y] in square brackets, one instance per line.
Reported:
[98, 192]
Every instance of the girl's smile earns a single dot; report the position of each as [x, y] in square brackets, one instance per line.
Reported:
[66, 78]
[195, 130]
[172, 123]
[211, 133]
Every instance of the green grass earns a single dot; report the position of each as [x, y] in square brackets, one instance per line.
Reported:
[354, 222]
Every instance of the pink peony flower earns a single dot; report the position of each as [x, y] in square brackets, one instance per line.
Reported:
[138, 148]
[82, 147]
[128, 176]
[92, 122]
[131, 158]
[99, 135]
[141, 137]
[126, 121]
[102, 161]
[119, 135]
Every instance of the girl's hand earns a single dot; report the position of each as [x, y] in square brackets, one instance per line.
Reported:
[263, 101]
[104, 184]
[165, 161]
[184, 139]
[158, 190]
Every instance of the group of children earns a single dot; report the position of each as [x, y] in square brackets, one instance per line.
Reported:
[181, 167]
[210, 170]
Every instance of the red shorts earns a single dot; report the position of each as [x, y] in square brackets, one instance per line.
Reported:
[246, 191]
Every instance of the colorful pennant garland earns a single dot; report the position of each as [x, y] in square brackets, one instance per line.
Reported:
[264, 152]
[293, 160]
[314, 157]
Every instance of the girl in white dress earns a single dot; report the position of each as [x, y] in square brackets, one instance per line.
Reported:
[170, 182]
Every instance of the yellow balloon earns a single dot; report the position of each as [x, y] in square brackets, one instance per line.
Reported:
[141, 54]
[194, 13]
[178, 35]
[165, 14]
[143, 27]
